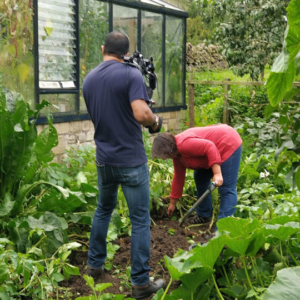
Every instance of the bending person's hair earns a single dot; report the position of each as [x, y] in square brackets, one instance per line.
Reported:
[116, 44]
[164, 146]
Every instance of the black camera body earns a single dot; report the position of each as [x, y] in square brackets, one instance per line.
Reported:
[146, 67]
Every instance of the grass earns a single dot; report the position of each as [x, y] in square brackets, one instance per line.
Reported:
[220, 75]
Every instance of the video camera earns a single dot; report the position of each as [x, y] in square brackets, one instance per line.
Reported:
[146, 67]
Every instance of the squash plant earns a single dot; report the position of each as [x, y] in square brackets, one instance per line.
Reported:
[239, 263]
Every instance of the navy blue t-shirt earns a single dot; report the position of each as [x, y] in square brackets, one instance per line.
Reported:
[108, 91]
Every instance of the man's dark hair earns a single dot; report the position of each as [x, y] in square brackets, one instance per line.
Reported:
[116, 44]
[164, 145]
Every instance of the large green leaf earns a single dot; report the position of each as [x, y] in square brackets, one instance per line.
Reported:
[47, 222]
[55, 202]
[20, 115]
[6, 135]
[282, 232]
[7, 205]
[180, 265]
[196, 277]
[294, 12]
[245, 235]
[18, 234]
[45, 141]
[181, 293]
[297, 178]
[280, 83]
[20, 156]
[238, 227]
[286, 285]
[208, 253]
[281, 63]
[293, 41]
[4, 272]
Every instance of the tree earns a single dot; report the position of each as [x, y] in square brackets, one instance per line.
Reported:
[250, 33]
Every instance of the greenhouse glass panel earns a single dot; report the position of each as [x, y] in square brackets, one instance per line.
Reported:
[151, 39]
[93, 28]
[57, 44]
[61, 103]
[174, 61]
[16, 49]
[125, 20]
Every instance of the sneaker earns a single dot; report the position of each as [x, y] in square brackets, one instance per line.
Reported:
[145, 293]
[95, 273]
[199, 220]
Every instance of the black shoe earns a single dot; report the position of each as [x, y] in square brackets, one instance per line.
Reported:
[199, 220]
[152, 288]
[95, 273]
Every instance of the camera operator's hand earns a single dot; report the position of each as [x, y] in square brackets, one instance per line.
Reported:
[156, 127]
[144, 115]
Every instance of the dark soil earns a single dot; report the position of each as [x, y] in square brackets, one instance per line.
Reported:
[166, 238]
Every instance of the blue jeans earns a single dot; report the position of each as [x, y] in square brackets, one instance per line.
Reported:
[228, 194]
[135, 185]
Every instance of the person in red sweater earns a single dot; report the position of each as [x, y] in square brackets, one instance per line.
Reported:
[214, 153]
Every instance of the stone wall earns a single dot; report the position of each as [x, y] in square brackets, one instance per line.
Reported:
[202, 57]
[72, 134]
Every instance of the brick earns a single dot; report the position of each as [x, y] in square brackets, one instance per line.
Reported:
[62, 128]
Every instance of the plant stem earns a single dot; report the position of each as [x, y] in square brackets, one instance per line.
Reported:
[165, 293]
[246, 272]
[283, 260]
[226, 276]
[292, 255]
[257, 272]
[216, 286]
[153, 222]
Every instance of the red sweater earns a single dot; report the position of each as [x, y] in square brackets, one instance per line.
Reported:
[200, 148]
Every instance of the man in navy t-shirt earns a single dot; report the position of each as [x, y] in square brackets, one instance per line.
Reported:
[115, 96]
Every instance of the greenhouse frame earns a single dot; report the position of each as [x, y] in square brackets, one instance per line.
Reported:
[48, 47]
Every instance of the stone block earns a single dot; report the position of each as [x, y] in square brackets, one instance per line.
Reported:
[86, 125]
[90, 136]
[71, 139]
[62, 128]
[172, 124]
[60, 148]
[75, 127]
[81, 137]
[173, 114]
[165, 115]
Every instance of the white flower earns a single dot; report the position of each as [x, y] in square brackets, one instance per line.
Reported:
[267, 173]
[262, 175]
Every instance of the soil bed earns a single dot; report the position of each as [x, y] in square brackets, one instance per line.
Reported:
[166, 238]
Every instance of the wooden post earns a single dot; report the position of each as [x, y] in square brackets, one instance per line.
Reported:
[226, 103]
[132, 37]
[191, 102]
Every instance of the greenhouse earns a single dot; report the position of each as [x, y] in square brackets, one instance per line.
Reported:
[47, 48]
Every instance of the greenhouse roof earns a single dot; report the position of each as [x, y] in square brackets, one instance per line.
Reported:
[151, 5]
[160, 3]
